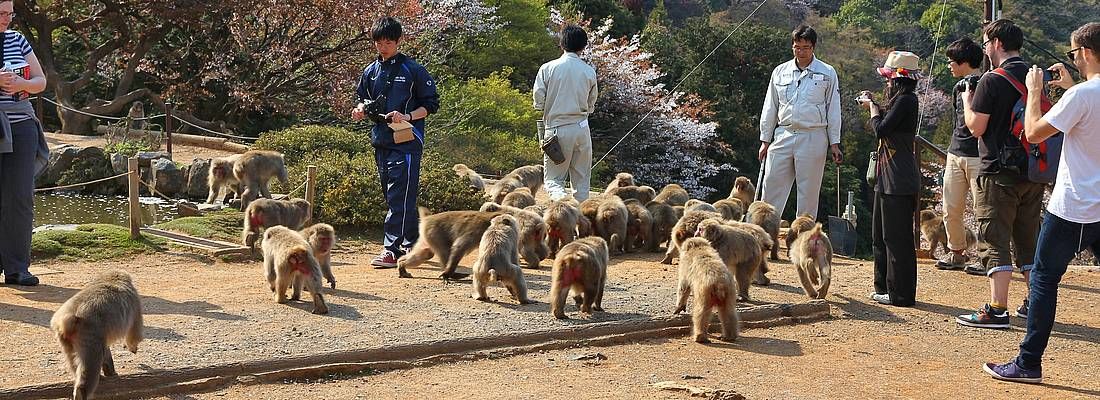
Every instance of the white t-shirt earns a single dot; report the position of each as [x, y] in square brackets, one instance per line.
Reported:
[1076, 195]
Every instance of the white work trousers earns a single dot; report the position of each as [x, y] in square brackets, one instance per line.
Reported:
[799, 159]
[576, 144]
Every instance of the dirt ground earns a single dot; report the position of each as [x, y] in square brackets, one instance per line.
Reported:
[201, 311]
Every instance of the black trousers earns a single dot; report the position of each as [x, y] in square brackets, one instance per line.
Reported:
[895, 256]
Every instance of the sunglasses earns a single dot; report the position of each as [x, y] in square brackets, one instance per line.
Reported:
[1072, 53]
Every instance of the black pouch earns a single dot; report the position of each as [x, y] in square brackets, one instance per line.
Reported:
[552, 148]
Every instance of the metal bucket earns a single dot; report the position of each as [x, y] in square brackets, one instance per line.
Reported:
[842, 235]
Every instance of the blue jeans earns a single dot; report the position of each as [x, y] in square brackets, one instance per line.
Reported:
[1059, 242]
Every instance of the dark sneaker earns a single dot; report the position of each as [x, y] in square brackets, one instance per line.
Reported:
[951, 261]
[384, 260]
[1022, 310]
[21, 279]
[1013, 373]
[976, 269]
[985, 317]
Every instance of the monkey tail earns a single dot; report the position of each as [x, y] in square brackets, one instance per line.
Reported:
[66, 329]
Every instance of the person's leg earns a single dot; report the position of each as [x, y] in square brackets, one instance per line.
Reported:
[580, 170]
[879, 245]
[1025, 232]
[393, 169]
[17, 204]
[554, 175]
[955, 188]
[901, 275]
[779, 171]
[809, 168]
[410, 216]
[995, 209]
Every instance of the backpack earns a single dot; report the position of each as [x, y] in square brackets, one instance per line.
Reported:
[1040, 161]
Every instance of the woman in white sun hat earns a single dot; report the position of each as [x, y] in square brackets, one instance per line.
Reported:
[898, 180]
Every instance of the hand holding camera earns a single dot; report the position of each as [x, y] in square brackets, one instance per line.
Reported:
[865, 99]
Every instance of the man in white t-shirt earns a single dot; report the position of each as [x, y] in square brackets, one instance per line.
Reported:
[1072, 221]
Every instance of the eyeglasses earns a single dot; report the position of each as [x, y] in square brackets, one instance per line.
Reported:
[1070, 54]
[986, 42]
[7, 15]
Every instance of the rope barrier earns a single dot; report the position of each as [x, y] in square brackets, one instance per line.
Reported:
[82, 184]
[292, 192]
[107, 117]
[214, 132]
[735, 29]
[155, 191]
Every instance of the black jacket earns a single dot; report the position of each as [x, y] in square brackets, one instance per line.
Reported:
[897, 167]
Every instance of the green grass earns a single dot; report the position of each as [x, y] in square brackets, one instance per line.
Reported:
[91, 242]
[222, 225]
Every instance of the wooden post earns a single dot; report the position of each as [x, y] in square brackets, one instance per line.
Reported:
[135, 206]
[168, 126]
[311, 186]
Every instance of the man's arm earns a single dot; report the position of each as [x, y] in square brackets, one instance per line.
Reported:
[426, 95]
[593, 93]
[769, 114]
[975, 121]
[1038, 127]
[538, 93]
[833, 103]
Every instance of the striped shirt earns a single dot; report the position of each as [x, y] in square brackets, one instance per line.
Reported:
[16, 49]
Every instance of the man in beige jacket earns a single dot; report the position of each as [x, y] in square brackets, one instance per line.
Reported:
[565, 93]
[799, 125]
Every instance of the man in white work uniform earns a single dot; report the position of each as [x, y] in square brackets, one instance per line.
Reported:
[799, 124]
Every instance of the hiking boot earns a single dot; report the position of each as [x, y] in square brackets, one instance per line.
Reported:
[1022, 310]
[384, 260]
[951, 261]
[985, 317]
[976, 269]
[21, 279]
[1014, 373]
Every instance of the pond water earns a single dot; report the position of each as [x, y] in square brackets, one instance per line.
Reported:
[65, 209]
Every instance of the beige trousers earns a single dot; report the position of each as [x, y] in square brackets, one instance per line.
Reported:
[795, 159]
[576, 144]
[958, 180]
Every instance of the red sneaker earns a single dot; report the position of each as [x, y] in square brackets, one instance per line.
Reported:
[384, 260]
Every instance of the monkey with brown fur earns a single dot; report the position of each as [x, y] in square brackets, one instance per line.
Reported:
[289, 263]
[519, 198]
[731, 209]
[664, 218]
[743, 190]
[812, 255]
[621, 179]
[528, 176]
[703, 274]
[684, 229]
[450, 236]
[255, 169]
[322, 237]
[105, 311]
[644, 194]
[739, 249]
[639, 227]
[266, 213]
[699, 205]
[763, 214]
[801, 224]
[611, 224]
[581, 267]
[561, 219]
[532, 233]
[220, 178]
[475, 179]
[931, 226]
[673, 195]
[498, 260]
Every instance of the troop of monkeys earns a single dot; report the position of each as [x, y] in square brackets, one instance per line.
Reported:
[716, 250]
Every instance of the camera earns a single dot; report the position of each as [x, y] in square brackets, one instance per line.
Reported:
[1049, 75]
[971, 81]
[374, 109]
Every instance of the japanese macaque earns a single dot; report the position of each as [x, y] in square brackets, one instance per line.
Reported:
[664, 218]
[532, 233]
[450, 236]
[699, 205]
[684, 229]
[105, 311]
[584, 227]
[475, 179]
[322, 237]
[611, 224]
[254, 171]
[561, 219]
[289, 263]
[763, 214]
[644, 194]
[739, 249]
[528, 176]
[639, 227]
[498, 260]
[137, 116]
[743, 190]
[581, 267]
[220, 179]
[931, 226]
[519, 198]
[812, 254]
[266, 213]
[621, 179]
[703, 275]
[801, 224]
[673, 195]
[731, 209]
[537, 208]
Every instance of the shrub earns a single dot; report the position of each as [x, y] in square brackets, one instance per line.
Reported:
[295, 143]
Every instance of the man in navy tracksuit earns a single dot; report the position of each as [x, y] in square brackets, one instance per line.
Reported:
[403, 91]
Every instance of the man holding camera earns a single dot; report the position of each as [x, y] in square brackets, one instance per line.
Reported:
[1006, 203]
[962, 166]
[396, 91]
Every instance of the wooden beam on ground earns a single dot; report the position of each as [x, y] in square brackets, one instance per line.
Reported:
[209, 246]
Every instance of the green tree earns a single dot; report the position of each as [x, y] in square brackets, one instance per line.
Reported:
[521, 44]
